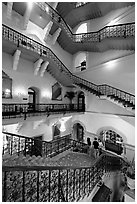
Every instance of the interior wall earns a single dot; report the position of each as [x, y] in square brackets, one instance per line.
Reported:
[119, 73]
[36, 33]
[118, 16]
[23, 78]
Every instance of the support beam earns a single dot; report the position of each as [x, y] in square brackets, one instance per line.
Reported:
[27, 16]
[43, 68]
[56, 35]
[16, 59]
[9, 9]
[37, 66]
[47, 30]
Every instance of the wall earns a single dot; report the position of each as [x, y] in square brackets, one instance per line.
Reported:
[36, 33]
[37, 128]
[119, 73]
[118, 16]
[23, 78]
[102, 114]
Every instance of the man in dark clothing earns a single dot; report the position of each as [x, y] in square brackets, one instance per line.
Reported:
[96, 146]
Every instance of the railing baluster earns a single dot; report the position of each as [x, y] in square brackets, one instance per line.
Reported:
[49, 185]
[5, 187]
[37, 186]
[23, 187]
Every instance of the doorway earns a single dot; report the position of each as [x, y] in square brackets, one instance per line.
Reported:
[33, 98]
[78, 132]
[81, 100]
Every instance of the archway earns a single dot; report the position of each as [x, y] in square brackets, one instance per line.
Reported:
[81, 100]
[78, 132]
[33, 97]
[112, 140]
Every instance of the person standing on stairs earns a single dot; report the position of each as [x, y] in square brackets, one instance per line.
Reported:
[96, 147]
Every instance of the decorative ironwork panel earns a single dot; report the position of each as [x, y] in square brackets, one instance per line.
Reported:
[54, 190]
[14, 184]
[63, 186]
[44, 186]
[30, 186]
[70, 185]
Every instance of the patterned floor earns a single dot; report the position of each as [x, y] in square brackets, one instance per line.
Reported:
[73, 159]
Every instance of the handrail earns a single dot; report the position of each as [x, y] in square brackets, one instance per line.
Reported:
[76, 182]
[17, 144]
[40, 168]
[95, 35]
[21, 136]
[76, 79]
[19, 110]
[117, 89]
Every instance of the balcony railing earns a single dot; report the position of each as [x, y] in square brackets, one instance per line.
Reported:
[26, 42]
[55, 184]
[18, 144]
[26, 110]
[120, 30]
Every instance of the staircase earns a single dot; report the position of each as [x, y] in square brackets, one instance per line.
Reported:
[114, 95]
[109, 37]
[62, 74]
[53, 183]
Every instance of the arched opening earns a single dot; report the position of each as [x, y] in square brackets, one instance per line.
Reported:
[112, 141]
[81, 100]
[78, 132]
[82, 28]
[33, 97]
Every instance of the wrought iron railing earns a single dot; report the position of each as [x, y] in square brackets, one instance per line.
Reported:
[18, 144]
[120, 30]
[26, 42]
[107, 90]
[27, 110]
[55, 184]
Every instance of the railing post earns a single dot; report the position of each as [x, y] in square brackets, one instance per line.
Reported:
[74, 185]
[59, 186]
[23, 187]
[25, 148]
[37, 186]
[49, 185]
[4, 187]
[18, 146]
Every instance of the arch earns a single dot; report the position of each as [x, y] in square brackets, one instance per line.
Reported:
[82, 28]
[33, 94]
[81, 99]
[79, 58]
[106, 128]
[74, 136]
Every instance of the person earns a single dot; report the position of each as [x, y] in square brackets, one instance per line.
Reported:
[89, 146]
[100, 146]
[96, 146]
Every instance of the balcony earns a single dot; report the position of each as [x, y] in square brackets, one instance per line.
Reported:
[10, 111]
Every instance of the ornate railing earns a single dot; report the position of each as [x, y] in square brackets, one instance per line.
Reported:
[26, 42]
[107, 90]
[27, 110]
[18, 144]
[120, 30]
[55, 184]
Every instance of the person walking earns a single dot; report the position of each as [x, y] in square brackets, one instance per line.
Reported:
[96, 146]
[100, 146]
